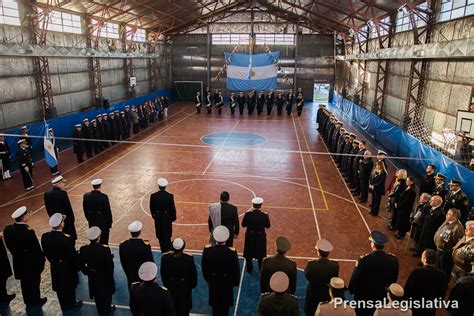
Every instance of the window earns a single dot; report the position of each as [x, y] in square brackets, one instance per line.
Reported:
[403, 20]
[9, 12]
[63, 22]
[109, 30]
[384, 26]
[453, 9]
[275, 39]
[230, 39]
[138, 36]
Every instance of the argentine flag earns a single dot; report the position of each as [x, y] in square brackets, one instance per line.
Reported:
[252, 72]
[49, 154]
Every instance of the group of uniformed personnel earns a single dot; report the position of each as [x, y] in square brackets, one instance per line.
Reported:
[252, 100]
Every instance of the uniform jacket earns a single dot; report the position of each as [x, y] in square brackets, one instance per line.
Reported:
[428, 184]
[24, 158]
[448, 235]
[133, 252]
[276, 263]
[457, 200]
[241, 101]
[463, 254]
[5, 155]
[198, 100]
[255, 236]
[440, 190]
[28, 258]
[56, 200]
[433, 220]
[150, 299]
[5, 268]
[97, 263]
[97, 209]
[163, 211]
[277, 304]
[319, 273]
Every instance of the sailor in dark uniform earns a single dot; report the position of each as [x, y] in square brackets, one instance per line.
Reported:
[96, 261]
[118, 123]
[233, 103]
[221, 271]
[270, 100]
[78, 143]
[220, 103]
[299, 103]
[26, 137]
[320, 114]
[134, 252]
[241, 102]
[4, 159]
[439, 188]
[26, 165]
[128, 120]
[97, 210]
[290, 99]
[178, 273]
[278, 302]
[278, 262]
[280, 102]
[198, 102]
[456, 198]
[163, 211]
[123, 121]
[148, 298]
[87, 134]
[56, 200]
[319, 273]
[59, 248]
[255, 245]
[260, 102]
[95, 136]
[209, 102]
[28, 258]
[251, 99]
[100, 130]
[5, 273]
[107, 131]
[113, 129]
[374, 272]
[215, 97]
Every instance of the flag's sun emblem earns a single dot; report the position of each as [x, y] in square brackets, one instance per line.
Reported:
[253, 73]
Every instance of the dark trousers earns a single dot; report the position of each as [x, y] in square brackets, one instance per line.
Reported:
[288, 112]
[251, 108]
[249, 264]
[53, 169]
[136, 128]
[103, 303]
[279, 110]
[364, 189]
[219, 110]
[165, 243]
[220, 310]
[269, 110]
[209, 110]
[88, 146]
[259, 110]
[198, 109]
[30, 288]
[67, 298]
[80, 156]
[27, 176]
[376, 199]
[232, 110]
[445, 262]
[241, 110]
[299, 109]
[104, 236]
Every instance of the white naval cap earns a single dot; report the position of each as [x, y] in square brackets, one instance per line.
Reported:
[77, 125]
[93, 233]
[162, 182]
[221, 233]
[336, 283]
[257, 200]
[56, 220]
[57, 180]
[19, 212]
[178, 244]
[96, 182]
[21, 141]
[147, 271]
[279, 282]
[135, 227]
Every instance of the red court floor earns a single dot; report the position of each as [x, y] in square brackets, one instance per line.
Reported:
[304, 193]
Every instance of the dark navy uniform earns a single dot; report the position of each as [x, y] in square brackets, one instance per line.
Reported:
[59, 248]
[260, 103]
[198, 102]
[26, 166]
[299, 104]
[5, 272]
[178, 273]
[280, 102]
[318, 273]
[87, 134]
[290, 99]
[278, 304]
[150, 299]
[56, 200]
[98, 213]
[460, 201]
[133, 252]
[28, 260]
[440, 190]
[5, 159]
[270, 100]
[97, 263]
[233, 104]
[277, 262]
[221, 270]
[255, 236]
[163, 211]
[219, 104]
[251, 99]
[241, 104]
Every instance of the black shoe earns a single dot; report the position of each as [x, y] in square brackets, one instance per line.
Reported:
[112, 308]
[76, 305]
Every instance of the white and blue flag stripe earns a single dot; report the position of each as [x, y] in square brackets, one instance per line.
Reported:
[49, 154]
[256, 72]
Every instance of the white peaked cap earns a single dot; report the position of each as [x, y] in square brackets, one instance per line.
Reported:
[221, 233]
[135, 227]
[93, 233]
[56, 220]
[147, 271]
[162, 182]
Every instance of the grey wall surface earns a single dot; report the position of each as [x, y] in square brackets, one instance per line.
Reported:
[315, 61]
[448, 84]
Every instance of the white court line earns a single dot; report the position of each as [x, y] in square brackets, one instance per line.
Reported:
[307, 181]
[220, 147]
[237, 300]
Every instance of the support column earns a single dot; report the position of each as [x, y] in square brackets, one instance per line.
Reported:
[127, 46]
[208, 57]
[362, 38]
[152, 62]
[295, 71]
[92, 42]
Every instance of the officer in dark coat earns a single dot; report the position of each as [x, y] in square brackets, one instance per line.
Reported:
[113, 129]
[251, 99]
[128, 120]
[97, 210]
[95, 133]
[374, 272]
[198, 102]
[255, 236]
[280, 102]
[77, 143]
[107, 131]
[134, 252]
[428, 184]
[290, 99]
[209, 102]
[221, 271]
[260, 102]
[4, 159]
[178, 273]
[278, 302]
[100, 130]
[96, 261]
[26, 165]
[28, 258]
[148, 298]
[118, 124]
[87, 134]
[439, 188]
[59, 248]
[456, 198]
[270, 101]
[163, 211]
[319, 273]
[241, 102]
[278, 262]
[433, 220]
[56, 200]
[299, 103]
[5, 273]
[232, 103]
[365, 169]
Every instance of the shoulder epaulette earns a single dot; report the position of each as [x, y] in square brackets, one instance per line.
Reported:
[363, 256]
[266, 293]
[294, 296]
[123, 241]
[136, 283]
[106, 246]
[146, 242]
[67, 235]
[208, 246]
[232, 248]
[164, 288]
[265, 213]
[391, 254]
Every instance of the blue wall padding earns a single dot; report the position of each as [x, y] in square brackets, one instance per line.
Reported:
[400, 143]
[64, 125]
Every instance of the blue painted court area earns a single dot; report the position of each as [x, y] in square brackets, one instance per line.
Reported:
[233, 139]
[247, 302]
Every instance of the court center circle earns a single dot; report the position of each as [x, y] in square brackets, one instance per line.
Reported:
[233, 139]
